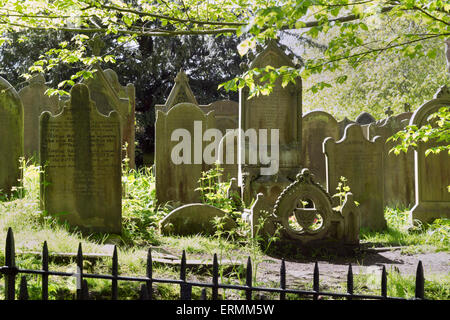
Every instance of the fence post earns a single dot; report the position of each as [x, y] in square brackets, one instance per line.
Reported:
[23, 293]
[203, 294]
[84, 290]
[283, 279]
[45, 269]
[350, 281]
[143, 294]
[248, 292]
[148, 286]
[215, 278]
[10, 262]
[384, 282]
[184, 288]
[316, 280]
[79, 272]
[420, 282]
[114, 273]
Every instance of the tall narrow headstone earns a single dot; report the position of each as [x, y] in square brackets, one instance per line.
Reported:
[398, 170]
[360, 161]
[11, 137]
[280, 110]
[433, 171]
[108, 96]
[81, 161]
[35, 101]
[178, 168]
[316, 126]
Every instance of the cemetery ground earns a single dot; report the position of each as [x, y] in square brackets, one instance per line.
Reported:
[399, 248]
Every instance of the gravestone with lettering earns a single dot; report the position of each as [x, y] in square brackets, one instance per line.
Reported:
[280, 110]
[398, 170]
[109, 95]
[11, 137]
[81, 157]
[35, 101]
[360, 161]
[432, 172]
[127, 92]
[316, 126]
[177, 180]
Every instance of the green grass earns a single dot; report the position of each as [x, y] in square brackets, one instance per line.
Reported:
[140, 220]
[417, 237]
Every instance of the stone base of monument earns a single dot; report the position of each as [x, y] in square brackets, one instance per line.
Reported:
[195, 218]
[304, 217]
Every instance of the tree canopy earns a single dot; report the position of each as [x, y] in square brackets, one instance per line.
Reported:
[347, 25]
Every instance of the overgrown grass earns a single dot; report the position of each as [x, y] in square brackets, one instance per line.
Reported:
[418, 237]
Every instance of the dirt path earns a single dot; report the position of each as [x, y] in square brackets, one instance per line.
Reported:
[333, 273]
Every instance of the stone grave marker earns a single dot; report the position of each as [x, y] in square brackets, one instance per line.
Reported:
[342, 125]
[432, 172]
[360, 161]
[81, 156]
[226, 112]
[228, 156]
[109, 95]
[316, 126]
[181, 92]
[280, 110]
[35, 101]
[365, 118]
[177, 181]
[398, 170]
[11, 137]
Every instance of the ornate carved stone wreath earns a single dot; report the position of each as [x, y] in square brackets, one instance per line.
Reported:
[304, 209]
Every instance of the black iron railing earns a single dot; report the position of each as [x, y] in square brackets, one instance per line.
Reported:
[11, 271]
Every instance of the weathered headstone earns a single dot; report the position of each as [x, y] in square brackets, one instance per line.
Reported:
[280, 110]
[316, 126]
[342, 125]
[398, 169]
[177, 181]
[195, 218]
[181, 92]
[226, 113]
[228, 156]
[365, 118]
[433, 171]
[360, 161]
[128, 127]
[35, 101]
[81, 157]
[11, 137]
[108, 96]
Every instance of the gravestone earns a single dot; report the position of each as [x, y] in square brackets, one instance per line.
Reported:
[181, 92]
[226, 112]
[81, 156]
[177, 181]
[280, 110]
[35, 101]
[316, 126]
[432, 172]
[360, 161]
[228, 156]
[128, 128]
[342, 125]
[108, 96]
[365, 118]
[303, 214]
[193, 219]
[11, 137]
[398, 170]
